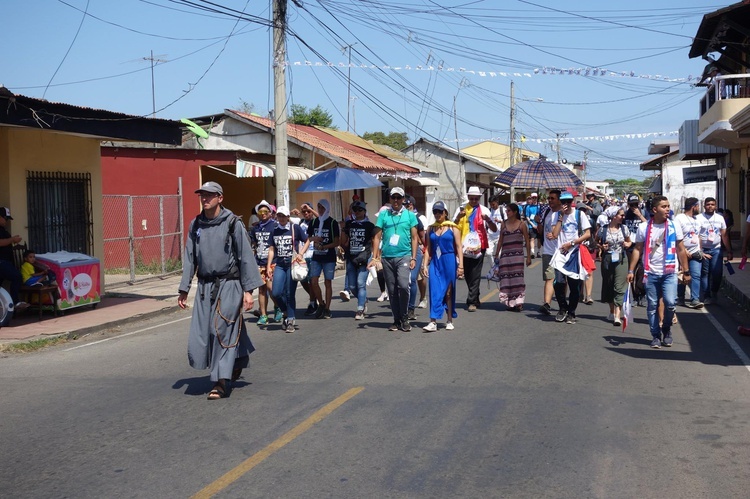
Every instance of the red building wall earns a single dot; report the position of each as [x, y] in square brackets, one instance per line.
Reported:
[149, 171]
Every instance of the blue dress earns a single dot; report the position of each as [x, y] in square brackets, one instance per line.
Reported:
[443, 268]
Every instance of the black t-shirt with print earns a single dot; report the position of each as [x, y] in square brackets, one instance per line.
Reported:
[360, 236]
[281, 240]
[329, 231]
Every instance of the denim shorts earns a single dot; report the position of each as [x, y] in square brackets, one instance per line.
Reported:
[327, 269]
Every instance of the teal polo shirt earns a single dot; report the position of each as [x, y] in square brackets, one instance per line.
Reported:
[399, 225]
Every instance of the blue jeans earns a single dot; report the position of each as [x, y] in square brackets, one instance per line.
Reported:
[695, 281]
[413, 288]
[664, 287]
[356, 276]
[711, 273]
[284, 290]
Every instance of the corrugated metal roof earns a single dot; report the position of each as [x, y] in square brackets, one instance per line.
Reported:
[363, 159]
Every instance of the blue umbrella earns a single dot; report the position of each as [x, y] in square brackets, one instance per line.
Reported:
[339, 179]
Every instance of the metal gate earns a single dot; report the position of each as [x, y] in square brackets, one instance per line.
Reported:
[143, 238]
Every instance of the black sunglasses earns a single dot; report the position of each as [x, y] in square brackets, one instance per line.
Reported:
[396, 196]
[437, 212]
[358, 209]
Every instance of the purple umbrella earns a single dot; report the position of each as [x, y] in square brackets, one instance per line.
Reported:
[538, 174]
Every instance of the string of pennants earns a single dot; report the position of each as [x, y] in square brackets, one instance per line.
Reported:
[554, 140]
[547, 70]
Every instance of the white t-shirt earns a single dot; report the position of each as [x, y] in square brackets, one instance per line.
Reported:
[656, 243]
[711, 227]
[497, 216]
[690, 229]
[569, 230]
[550, 245]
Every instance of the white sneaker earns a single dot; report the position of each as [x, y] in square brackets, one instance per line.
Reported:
[383, 296]
[345, 296]
[422, 304]
[431, 327]
[449, 326]
[610, 317]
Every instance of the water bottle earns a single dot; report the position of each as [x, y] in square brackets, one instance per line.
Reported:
[729, 267]
[743, 262]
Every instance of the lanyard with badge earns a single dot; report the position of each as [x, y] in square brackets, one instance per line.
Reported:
[394, 239]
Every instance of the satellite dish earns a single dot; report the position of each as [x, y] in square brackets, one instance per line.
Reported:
[6, 307]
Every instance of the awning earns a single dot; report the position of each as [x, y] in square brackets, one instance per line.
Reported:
[655, 186]
[425, 181]
[249, 169]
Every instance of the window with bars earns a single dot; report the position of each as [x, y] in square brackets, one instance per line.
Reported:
[59, 212]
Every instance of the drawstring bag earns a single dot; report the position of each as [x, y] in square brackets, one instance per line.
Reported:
[299, 271]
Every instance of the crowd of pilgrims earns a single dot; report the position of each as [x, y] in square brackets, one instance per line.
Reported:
[623, 237]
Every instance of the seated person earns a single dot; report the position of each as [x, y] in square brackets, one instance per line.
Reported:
[33, 274]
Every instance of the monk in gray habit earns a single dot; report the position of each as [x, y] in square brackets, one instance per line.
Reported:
[219, 252]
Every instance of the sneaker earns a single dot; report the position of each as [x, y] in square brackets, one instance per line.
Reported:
[588, 300]
[345, 296]
[284, 323]
[383, 296]
[311, 309]
[561, 316]
[681, 302]
[430, 328]
[610, 317]
[21, 306]
[472, 308]
[319, 312]
[617, 322]
[570, 319]
[667, 341]
[656, 343]
[449, 326]
[545, 309]
[326, 314]
[412, 315]
[263, 320]
[394, 327]
[405, 326]
[694, 304]
[422, 304]
[277, 314]
[359, 315]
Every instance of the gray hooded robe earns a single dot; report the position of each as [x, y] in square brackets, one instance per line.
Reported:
[217, 332]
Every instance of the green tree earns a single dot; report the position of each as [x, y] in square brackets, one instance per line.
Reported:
[245, 106]
[316, 116]
[396, 140]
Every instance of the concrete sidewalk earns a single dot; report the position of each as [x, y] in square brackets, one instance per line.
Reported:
[126, 304]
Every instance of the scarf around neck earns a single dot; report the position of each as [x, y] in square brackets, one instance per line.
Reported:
[670, 247]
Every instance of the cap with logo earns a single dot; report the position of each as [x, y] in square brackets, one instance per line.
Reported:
[212, 187]
[5, 213]
[633, 198]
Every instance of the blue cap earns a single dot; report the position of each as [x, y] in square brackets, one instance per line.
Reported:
[439, 206]
[566, 196]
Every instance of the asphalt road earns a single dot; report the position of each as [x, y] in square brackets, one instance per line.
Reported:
[507, 405]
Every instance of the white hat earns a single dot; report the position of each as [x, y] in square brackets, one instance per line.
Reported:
[261, 204]
[474, 191]
[397, 190]
[534, 195]
[282, 210]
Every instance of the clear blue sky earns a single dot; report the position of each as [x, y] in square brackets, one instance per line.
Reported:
[206, 70]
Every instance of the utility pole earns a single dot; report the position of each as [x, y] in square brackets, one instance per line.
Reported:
[560, 136]
[585, 174]
[461, 170]
[280, 101]
[153, 93]
[354, 115]
[512, 125]
[348, 82]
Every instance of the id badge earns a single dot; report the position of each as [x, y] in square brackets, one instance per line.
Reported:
[615, 256]
[711, 236]
[393, 241]
[693, 239]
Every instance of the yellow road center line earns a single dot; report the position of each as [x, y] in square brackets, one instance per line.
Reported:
[534, 264]
[488, 296]
[234, 474]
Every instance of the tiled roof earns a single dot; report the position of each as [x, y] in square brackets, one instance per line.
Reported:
[357, 156]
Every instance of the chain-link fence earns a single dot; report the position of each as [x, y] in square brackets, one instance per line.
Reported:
[142, 238]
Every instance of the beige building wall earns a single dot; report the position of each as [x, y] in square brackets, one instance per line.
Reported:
[23, 150]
